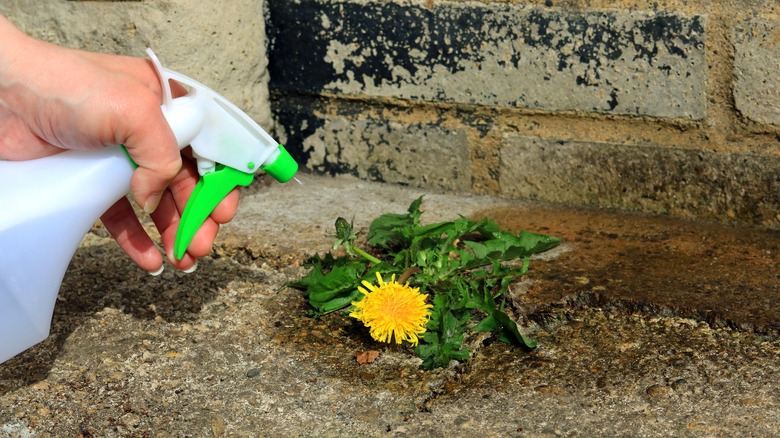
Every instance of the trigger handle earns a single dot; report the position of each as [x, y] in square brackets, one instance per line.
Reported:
[210, 190]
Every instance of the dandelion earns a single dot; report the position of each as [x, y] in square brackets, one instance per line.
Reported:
[392, 309]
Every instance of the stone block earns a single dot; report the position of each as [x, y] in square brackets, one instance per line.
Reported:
[421, 155]
[499, 54]
[738, 186]
[221, 44]
[757, 70]
[355, 140]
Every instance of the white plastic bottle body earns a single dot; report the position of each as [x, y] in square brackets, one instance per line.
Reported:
[48, 205]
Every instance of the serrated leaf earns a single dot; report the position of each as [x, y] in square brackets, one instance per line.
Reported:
[510, 330]
[509, 333]
[443, 342]
[389, 229]
[317, 266]
[506, 246]
[337, 289]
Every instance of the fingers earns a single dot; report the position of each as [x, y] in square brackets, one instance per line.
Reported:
[124, 227]
[166, 218]
[168, 215]
[154, 149]
[226, 209]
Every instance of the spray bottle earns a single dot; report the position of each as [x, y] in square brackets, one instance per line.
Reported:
[42, 226]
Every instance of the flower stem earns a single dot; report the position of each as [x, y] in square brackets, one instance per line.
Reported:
[408, 273]
[366, 255]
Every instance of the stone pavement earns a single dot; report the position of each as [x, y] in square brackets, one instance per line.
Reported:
[647, 326]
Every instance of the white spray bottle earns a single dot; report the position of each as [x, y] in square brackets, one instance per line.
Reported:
[42, 226]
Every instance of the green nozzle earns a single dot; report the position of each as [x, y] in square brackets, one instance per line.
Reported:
[283, 168]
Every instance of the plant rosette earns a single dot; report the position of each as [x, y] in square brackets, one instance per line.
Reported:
[449, 274]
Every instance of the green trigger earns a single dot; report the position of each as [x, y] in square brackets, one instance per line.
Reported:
[209, 191]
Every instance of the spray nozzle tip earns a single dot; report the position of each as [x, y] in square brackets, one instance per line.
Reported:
[283, 168]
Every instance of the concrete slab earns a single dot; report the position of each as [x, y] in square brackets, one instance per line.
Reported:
[647, 326]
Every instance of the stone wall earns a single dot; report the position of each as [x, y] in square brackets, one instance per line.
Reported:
[221, 44]
[667, 107]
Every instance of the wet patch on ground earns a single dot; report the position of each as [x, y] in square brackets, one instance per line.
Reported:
[722, 275]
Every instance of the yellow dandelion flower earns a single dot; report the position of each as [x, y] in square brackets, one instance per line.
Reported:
[392, 309]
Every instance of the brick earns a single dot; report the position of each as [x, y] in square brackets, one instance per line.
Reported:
[756, 67]
[738, 187]
[379, 150]
[419, 154]
[497, 54]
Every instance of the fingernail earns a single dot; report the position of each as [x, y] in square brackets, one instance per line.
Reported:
[192, 268]
[152, 202]
[157, 272]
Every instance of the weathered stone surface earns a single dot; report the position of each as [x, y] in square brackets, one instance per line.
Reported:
[503, 54]
[356, 139]
[358, 142]
[643, 178]
[418, 155]
[221, 44]
[756, 80]
[608, 375]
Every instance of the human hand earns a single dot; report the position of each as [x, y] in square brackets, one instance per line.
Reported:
[54, 99]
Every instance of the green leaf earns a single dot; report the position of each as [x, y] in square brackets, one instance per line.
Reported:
[389, 229]
[454, 228]
[506, 246]
[526, 243]
[510, 330]
[489, 324]
[497, 320]
[317, 266]
[443, 342]
[331, 283]
[500, 322]
[336, 288]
